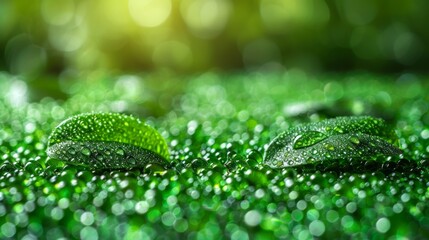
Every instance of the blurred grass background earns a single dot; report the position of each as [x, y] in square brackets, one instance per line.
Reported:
[50, 37]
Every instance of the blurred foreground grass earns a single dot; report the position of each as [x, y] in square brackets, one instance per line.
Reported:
[217, 127]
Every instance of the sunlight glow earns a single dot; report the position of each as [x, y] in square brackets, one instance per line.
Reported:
[150, 13]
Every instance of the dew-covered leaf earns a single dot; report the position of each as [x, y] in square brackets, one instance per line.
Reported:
[338, 139]
[107, 140]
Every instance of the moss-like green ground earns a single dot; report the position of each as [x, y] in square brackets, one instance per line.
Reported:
[217, 127]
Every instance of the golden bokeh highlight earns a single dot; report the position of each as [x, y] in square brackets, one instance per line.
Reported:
[206, 19]
[192, 35]
[150, 13]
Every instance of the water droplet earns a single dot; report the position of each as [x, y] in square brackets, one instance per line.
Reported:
[72, 151]
[311, 160]
[86, 151]
[330, 147]
[132, 161]
[338, 129]
[307, 139]
[120, 152]
[155, 169]
[354, 140]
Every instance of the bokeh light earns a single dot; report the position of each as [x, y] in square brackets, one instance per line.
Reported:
[49, 37]
[150, 13]
[57, 13]
[206, 19]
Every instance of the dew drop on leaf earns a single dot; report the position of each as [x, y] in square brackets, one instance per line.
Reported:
[107, 141]
[354, 140]
[338, 129]
[120, 151]
[86, 151]
[72, 151]
[339, 140]
[307, 139]
[329, 147]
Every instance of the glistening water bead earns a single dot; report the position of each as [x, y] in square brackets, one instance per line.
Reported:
[341, 140]
[107, 141]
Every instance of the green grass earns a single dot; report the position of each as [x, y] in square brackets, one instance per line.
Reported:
[217, 128]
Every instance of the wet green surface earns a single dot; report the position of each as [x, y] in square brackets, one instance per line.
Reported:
[217, 129]
[107, 140]
[342, 139]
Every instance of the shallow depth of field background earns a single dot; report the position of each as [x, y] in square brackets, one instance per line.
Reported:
[219, 80]
[58, 38]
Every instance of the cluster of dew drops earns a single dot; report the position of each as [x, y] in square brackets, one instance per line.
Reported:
[218, 186]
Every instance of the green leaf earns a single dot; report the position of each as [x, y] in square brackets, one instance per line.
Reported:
[107, 140]
[334, 140]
